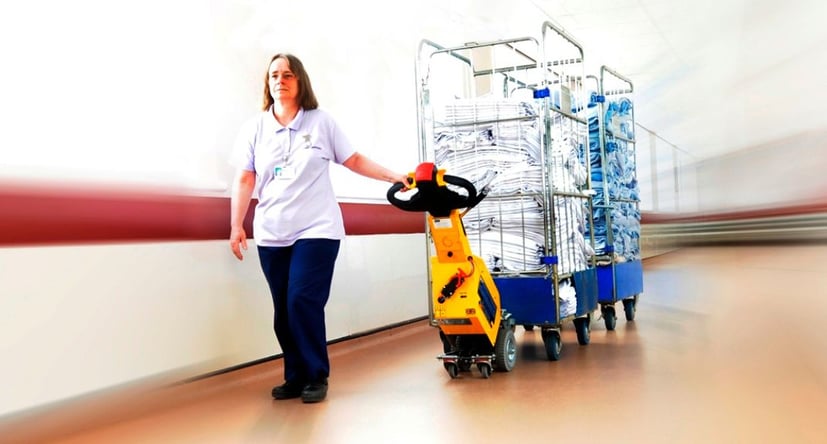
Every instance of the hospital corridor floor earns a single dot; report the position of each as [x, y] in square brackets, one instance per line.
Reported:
[728, 345]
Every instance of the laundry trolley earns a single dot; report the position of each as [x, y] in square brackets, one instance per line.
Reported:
[506, 115]
[616, 217]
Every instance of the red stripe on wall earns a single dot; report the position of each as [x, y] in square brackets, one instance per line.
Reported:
[53, 215]
[380, 219]
[792, 209]
[32, 216]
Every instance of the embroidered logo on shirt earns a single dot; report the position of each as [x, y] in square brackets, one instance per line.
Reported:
[308, 144]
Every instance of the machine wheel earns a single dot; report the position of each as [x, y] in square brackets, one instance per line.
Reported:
[629, 307]
[581, 326]
[485, 370]
[528, 327]
[505, 350]
[452, 369]
[609, 317]
[554, 346]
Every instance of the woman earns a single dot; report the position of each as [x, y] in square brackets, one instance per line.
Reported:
[283, 154]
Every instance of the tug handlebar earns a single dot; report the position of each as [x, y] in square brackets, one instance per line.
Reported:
[427, 190]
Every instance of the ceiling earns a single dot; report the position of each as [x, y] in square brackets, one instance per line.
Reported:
[711, 76]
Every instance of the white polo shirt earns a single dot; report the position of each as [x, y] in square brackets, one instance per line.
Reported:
[295, 194]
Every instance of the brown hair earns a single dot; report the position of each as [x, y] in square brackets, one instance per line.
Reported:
[306, 97]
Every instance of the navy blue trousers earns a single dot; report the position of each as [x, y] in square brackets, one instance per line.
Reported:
[299, 277]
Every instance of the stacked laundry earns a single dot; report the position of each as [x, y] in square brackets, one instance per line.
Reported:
[573, 252]
[472, 111]
[568, 298]
[620, 119]
[498, 143]
[615, 174]
[568, 171]
[507, 232]
[484, 136]
[511, 149]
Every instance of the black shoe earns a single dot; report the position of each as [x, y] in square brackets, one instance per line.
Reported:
[288, 390]
[314, 392]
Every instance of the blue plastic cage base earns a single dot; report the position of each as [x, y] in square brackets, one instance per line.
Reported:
[628, 281]
[585, 284]
[530, 300]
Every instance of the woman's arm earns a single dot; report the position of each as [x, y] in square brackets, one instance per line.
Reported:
[363, 165]
[242, 192]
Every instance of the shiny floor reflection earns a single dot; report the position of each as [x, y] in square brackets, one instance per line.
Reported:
[727, 346]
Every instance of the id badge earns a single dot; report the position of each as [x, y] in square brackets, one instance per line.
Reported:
[284, 172]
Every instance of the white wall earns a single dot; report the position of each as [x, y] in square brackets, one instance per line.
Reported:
[778, 173]
[77, 319]
[154, 91]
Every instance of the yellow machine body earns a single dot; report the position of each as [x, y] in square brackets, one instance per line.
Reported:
[465, 299]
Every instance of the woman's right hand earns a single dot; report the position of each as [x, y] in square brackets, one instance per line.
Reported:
[238, 240]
